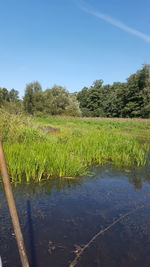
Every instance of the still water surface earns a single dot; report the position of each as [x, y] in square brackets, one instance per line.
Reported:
[60, 216]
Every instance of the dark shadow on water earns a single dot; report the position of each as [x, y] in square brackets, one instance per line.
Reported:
[33, 262]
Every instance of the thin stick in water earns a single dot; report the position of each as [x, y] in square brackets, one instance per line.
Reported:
[79, 254]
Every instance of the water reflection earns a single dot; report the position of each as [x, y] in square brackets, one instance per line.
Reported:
[45, 187]
[138, 176]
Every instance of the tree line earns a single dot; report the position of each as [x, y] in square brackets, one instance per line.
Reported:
[121, 99]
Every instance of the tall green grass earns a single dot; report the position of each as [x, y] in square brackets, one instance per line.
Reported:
[34, 155]
[71, 157]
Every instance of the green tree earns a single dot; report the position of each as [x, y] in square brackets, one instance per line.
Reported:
[73, 108]
[92, 99]
[115, 100]
[136, 84]
[32, 98]
[13, 95]
[58, 98]
[146, 98]
[96, 98]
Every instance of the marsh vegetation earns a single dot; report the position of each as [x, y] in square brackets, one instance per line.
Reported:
[34, 154]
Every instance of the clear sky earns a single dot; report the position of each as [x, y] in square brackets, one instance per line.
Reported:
[72, 42]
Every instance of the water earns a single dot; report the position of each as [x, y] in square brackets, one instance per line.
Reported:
[60, 216]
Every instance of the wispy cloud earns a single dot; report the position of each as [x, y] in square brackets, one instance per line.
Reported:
[115, 22]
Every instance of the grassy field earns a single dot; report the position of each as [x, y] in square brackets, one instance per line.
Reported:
[34, 152]
[133, 127]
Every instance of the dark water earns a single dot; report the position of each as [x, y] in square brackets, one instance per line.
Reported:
[57, 216]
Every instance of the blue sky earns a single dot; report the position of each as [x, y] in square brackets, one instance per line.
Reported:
[72, 42]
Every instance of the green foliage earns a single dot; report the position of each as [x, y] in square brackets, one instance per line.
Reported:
[58, 97]
[9, 98]
[130, 99]
[145, 111]
[53, 101]
[33, 99]
[13, 95]
[73, 108]
[92, 100]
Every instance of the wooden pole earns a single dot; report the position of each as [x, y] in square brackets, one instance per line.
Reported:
[12, 209]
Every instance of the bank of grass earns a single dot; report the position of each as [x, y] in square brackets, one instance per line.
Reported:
[134, 127]
[33, 154]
